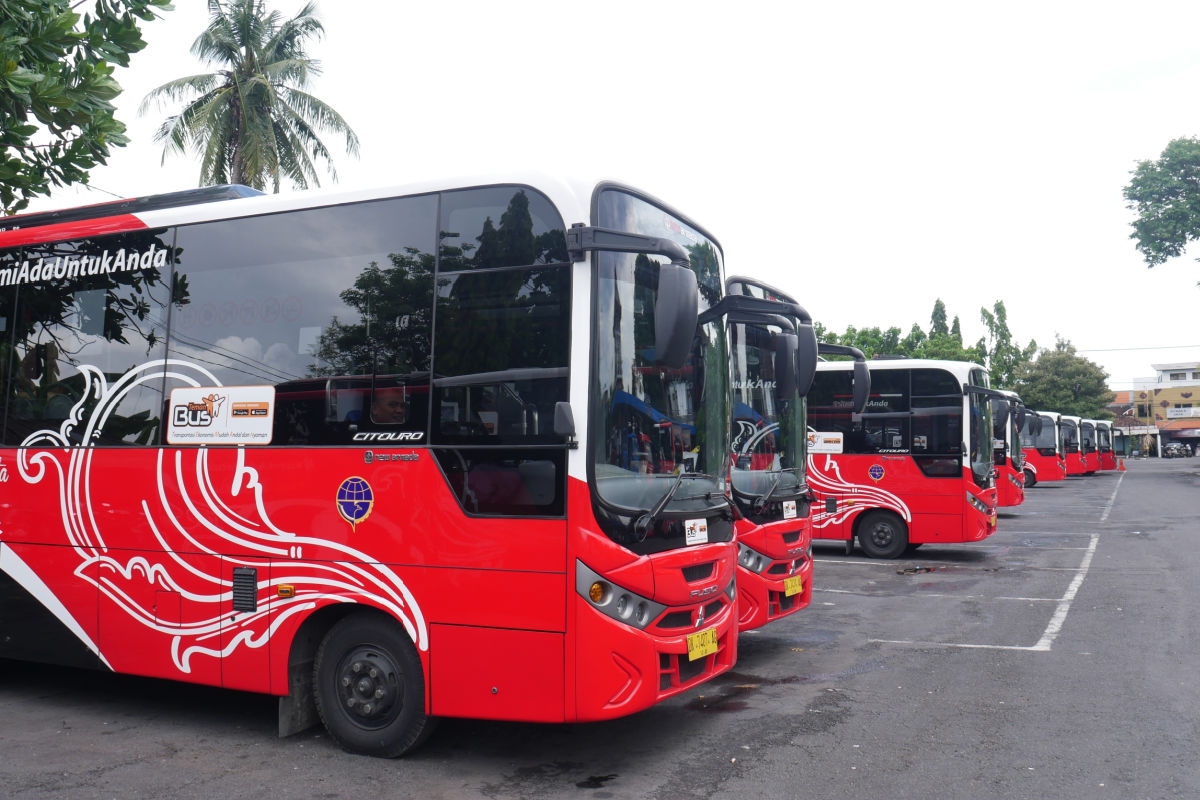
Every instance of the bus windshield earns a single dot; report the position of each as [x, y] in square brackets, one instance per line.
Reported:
[768, 430]
[1046, 436]
[655, 430]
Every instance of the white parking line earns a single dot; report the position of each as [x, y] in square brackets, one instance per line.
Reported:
[1052, 629]
[936, 594]
[1113, 499]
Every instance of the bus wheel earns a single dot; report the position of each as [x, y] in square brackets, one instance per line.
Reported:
[369, 687]
[1030, 479]
[882, 535]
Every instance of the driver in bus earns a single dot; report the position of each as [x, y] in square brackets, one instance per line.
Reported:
[389, 405]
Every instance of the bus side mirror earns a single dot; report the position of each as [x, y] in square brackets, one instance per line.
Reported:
[862, 386]
[564, 420]
[806, 358]
[785, 365]
[676, 312]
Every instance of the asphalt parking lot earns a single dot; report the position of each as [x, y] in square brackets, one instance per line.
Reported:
[1051, 660]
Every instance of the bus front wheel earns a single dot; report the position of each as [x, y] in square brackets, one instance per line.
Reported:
[1030, 479]
[882, 535]
[369, 687]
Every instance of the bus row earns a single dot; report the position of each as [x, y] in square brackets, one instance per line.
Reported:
[511, 450]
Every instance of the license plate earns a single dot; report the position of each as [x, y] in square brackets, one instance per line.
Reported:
[702, 644]
[793, 586]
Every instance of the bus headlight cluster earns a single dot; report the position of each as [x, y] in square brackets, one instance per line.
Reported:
[615, 601]
[751, 559]
[978, 504]
[1015, 481]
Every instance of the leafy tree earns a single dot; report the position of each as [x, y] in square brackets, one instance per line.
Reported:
[1003, 357]
[947, 348]
[251, 121]
[937, 323]
[57, 119]
[956, 330]
[1166, 196]
[1060, 380]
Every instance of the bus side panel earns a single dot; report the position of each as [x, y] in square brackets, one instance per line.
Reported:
[490, 673]
[49, 615]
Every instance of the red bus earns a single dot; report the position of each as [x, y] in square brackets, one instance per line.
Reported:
[1041, 445]
[1072, 451]
[323, 446]
[1007, 418]
[916, 467]
[768, 333]
[1089, 446]
[1104, 444]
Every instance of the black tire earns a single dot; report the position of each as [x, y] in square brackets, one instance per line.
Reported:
[369, 687]
[882, 535]
[1030, 479]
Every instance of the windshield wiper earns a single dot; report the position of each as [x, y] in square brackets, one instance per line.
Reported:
[641, 528]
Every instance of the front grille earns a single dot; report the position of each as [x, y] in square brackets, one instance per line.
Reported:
[676, 619]
[699, 572]
[791, 537]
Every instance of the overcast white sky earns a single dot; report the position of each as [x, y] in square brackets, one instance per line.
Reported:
[866, 157]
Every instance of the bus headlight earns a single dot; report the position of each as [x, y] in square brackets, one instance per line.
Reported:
[978, 504]
[615, 601]
[751, 559]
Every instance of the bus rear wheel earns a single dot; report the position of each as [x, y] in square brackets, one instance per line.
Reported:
[882, 535]
[370, 689]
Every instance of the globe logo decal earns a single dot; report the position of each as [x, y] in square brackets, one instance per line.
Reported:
[355, 500]
[876, 472]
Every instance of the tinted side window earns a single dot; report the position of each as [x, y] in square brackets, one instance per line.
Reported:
[83, 328]
[501, 344]
[330, 306]
[501, 350]
[936, 413]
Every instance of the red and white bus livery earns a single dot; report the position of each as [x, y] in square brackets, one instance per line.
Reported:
[324, 445]
[1089, 446]
[1072, 448]
[1104, 444]
[1041, 445]
[1007, 416]
[915, 467]
[774, 354]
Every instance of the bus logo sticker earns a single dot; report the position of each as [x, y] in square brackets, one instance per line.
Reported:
[695, 531]
[875, 472]
[789, 509]
[221, 415]
[355, 499]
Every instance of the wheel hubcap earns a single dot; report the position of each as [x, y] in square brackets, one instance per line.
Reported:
[371, 687]
[881, 535]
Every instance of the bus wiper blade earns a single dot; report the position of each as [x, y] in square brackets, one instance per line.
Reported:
[641, 528]
[760, 502]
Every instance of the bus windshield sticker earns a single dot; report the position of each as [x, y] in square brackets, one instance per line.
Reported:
[819, 442]
[105, 263]
[696, 531]
[221, 415]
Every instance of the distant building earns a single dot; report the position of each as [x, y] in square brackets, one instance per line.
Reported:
[1169, 402]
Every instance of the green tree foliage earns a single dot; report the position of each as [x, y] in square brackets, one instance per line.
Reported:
[937, 322]
[57, 119]
[1003, 357]
[1165, 194]
[251, 121]
[1060, 380]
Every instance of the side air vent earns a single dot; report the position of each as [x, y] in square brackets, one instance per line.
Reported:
[245, 589]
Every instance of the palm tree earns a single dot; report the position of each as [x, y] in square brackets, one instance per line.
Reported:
[251, 121]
